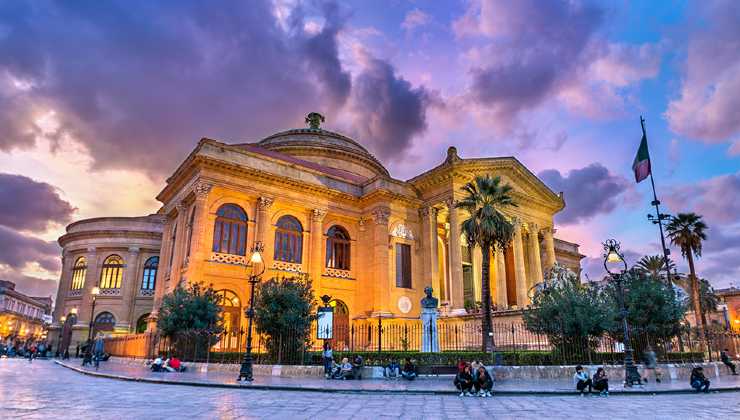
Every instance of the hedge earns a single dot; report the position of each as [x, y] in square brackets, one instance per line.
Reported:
[450, 358]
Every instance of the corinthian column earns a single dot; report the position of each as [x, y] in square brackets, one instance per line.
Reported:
[129, 288]
[263, 221]
[549, 247]
[521, 275]
[197, 247]
[502, 300]
[456, 284]
[428, 217]
[316, 263]
[380, 261]
[534, 255]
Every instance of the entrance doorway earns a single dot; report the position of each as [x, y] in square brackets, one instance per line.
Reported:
[231, 321]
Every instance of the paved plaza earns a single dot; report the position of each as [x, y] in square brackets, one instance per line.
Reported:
[45, 390]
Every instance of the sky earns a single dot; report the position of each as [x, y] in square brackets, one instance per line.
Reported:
[100, 101]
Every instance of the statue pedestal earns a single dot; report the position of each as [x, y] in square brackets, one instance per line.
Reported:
[429, 336]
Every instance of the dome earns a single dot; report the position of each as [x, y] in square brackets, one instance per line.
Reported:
[325, 148]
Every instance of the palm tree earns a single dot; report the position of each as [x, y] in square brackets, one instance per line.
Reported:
[653, 265]
[686, 231]
[487, 228]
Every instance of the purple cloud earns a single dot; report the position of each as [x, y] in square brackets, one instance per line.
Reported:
[588, 191]
[534, 47]
[386, 110]
[707, 105]
[17, 250]
[717, 199]
[139, 82]
[31, 286]
[31, 205]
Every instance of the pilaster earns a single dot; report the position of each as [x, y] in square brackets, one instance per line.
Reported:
[534, 255]
[456, 284]
[519, 270]
[502, 300]
[548, 233]
[381, 267]
[316, 261]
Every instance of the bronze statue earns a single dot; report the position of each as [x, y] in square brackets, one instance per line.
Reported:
[429, 301]
[314, 120]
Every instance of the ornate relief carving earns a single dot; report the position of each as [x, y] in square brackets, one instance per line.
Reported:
[381, 215]
[317, 215]
[402, 231]
[228, 258]
[74, 293]
[424, 212]
[264, 203]
[146, 293]
[202, 189]
[362, 222]
[110, 292]
[286, 266]
[450, 203]
[533, 227]
[334, 272]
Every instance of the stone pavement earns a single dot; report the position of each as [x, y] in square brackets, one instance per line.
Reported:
[43, 390]
[424, 385]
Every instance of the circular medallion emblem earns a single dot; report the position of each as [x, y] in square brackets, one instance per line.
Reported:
[404, 304]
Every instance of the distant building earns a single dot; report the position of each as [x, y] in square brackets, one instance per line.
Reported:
[22, 316]
[730, 298]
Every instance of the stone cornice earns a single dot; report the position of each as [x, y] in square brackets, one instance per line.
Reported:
[128, 235]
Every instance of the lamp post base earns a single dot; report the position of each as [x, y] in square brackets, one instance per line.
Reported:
[631, 375]
[245, 373]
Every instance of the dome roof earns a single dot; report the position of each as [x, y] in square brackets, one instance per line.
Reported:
[326, 148]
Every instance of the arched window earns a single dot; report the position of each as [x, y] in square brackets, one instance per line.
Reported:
[112, 273]
[105, 321]
[288, 240]
[191, 220]
[337, 248]
[150, 273]
[141, 323]
[230, 230]
[78, 273]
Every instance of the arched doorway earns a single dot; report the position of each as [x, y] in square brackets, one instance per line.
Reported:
[340, 326]
[231, 321]
[141, 323]
[104, 322]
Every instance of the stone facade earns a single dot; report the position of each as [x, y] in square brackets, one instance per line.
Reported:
[322, 205]
[126, 283]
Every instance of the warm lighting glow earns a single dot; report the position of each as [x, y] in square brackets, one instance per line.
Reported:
[95, 291]
[256, 258]
[613, 257]
[235, 301]
[63, 319]
[73, 311]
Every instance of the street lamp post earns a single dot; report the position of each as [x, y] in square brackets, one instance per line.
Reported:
[615, 259]
[62, 322]
[95, 292]
[255, 268]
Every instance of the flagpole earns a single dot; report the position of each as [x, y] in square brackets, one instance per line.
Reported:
[660, 216]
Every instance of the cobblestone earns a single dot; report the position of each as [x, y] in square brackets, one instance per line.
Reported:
[44, 390]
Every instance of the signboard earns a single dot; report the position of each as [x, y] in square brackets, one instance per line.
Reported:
[325, 323]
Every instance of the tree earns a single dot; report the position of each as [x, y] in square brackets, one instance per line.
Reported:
[284, 310]
[687, 231]
[192, 311]
[572, 316]
[487, 228]
[652, 307]
[653, 265]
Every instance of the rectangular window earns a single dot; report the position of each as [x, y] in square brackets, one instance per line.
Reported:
[403, 266]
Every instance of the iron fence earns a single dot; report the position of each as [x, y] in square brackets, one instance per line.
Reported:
[514, 344]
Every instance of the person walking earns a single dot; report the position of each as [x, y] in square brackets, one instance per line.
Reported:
[581, 380]
[328, 356]
[698, 381]
[601, 382]
[725, 357]
[98, 350]
[464, 381]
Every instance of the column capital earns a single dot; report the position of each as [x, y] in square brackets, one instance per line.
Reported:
[181, 207]
[134, 249]
[533, 227]
[427, 211]
[91, 250]
[517, 222]
[381, 215]
[362, 221]
[450, 202]
[264, 203]
[317, 215]
[202, 189]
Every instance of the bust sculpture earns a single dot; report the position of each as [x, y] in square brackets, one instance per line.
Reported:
[314, 120]
[429, 301]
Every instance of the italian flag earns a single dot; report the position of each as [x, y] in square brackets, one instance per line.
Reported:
[641, 165]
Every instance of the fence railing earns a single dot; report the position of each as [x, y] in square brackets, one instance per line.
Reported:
[514, 344]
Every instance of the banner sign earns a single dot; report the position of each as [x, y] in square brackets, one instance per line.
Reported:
[325, 323]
